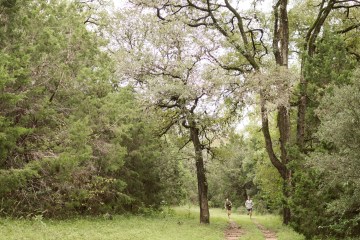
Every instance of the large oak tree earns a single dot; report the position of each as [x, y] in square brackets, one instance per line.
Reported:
[251, 37]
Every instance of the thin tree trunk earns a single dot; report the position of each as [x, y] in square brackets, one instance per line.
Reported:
[283, 120]
[300, 131]
[201, 177]
[287, 188]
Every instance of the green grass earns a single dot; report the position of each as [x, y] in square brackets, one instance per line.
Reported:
[274, 223]
[183, 224]
[270, 222]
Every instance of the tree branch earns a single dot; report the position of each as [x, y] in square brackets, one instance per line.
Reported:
[239, 20]
[268, 142]
[186, 143]
[226, 67]
[348, 29]
[168, 126]
[316, 27]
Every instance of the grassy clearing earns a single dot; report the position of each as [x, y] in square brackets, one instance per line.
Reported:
[183, 224]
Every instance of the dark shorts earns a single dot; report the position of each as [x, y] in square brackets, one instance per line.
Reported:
[228, 207]
[249, 209]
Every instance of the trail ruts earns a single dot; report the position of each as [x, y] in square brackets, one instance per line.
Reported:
[269, 235]
[233, 232]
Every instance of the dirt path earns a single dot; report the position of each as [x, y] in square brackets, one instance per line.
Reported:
[233, 232]
[269, 235]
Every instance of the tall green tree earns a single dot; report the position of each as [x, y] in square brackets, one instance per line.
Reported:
[337, 159]
[72, 140]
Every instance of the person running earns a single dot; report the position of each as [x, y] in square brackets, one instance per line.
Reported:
[228, 206]
[249, 206]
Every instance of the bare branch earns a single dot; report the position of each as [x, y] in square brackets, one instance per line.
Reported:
[196, 101]
[165, 74]
[316, 27]
[184, 145]
[158, 14]
[191, 4]
[173, 121]
[239, 20]
[348, 29]
[226, 67]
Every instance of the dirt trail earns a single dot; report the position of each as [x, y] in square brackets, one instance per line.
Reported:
[269, 235]
[233, 232]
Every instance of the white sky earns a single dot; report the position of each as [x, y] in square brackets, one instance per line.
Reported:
[265, 5]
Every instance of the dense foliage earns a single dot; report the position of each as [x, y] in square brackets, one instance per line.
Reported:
[71, 140]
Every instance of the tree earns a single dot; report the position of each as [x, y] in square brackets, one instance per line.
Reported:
[72, 141]
[318, 20]
[246, 40]
[178, 81]
[247, 36]
[338, 159]
[331, 63]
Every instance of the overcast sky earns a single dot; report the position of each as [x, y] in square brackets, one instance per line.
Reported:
[265, 5]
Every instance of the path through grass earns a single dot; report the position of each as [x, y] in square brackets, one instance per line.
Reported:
[182, 225]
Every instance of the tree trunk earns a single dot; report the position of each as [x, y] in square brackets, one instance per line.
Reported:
[287, 191]
[283, 121]
[281, 52]
[201, 177]
[268, 142]
[300, 133]
[280, 165]
[286, 215]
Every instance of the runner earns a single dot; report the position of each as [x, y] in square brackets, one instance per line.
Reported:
[249, 206]
[228, 206]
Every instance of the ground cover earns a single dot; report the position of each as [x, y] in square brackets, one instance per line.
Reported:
[175, 224]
